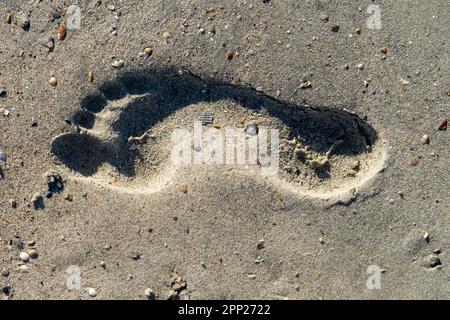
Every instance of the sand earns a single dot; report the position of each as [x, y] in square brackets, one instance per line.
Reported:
[357, 208]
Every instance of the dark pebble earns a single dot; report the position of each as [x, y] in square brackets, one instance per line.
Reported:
[335, 28]
[6, 290]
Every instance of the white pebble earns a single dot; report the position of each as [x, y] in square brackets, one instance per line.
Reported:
[360, 66]
[53, 82]
[24, 256]
[4, 111]
[92, 292]
[117, 64]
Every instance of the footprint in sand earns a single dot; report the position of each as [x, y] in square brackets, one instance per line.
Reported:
[124, 132]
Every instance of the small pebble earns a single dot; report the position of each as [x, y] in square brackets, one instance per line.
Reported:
[2, 91]
[360, 66]
[426, 236]
[20, 244]
[148, 51]
[117, 64]
[6, 290]
[404, 82]
[383, 50]
[50, 44]
[53, 82]
[426, 139]
[62, 32]
[166, 35]
[229, 54]
[103, 264]
[4, 111]
[111, 7]
[136, 257]
[443, 125]
[92, 292]
[5, 273]
[431, 261]
[260, 245]
[24, 256]
[358, 31]
[90, 76]
[33, 254]
[306, 85]
[335, 28]
[324, 18]
[68, 197]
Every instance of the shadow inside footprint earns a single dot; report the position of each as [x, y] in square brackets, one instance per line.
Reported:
[163, 91]
[80, 152]
[94, 103]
